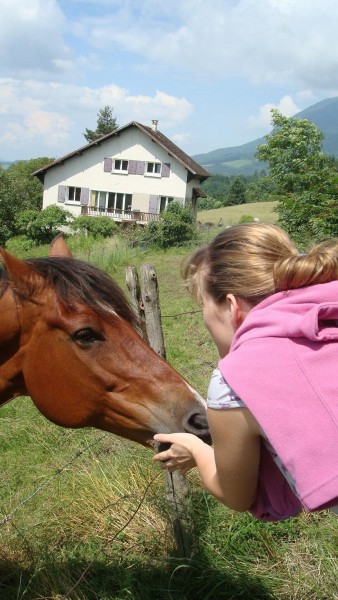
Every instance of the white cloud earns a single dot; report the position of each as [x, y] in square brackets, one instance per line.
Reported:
[68, 59]
[181, 138]
[263, 120]
[280, 41]
[51, 129]
[31, 37]
[55, 114]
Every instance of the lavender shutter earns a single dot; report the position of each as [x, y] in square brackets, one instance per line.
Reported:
[165, 170]
[153, 204]
[62, 193]
[132, 164]
[140, 167]
[107, 165]
[84, 197]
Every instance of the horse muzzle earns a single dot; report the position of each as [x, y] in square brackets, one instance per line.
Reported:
[197, 424]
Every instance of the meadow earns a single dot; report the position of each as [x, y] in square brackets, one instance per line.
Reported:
[88, 515]
[264, 211]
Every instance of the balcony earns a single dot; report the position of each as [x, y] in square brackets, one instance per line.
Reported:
[119, 215]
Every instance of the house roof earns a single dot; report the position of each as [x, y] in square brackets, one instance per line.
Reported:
[158, 137]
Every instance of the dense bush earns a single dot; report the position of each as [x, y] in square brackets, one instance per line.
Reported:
[41, 226]
[94, 226]
[246, 219]
[209, 203]
[174, 228]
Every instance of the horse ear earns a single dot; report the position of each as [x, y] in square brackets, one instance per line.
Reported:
[20, 273]
[59, 247]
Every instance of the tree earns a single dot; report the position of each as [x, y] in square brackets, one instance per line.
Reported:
[105, 124]
[306, 178]
[19, 191]
[7, 208]
[236, 193]
[294, 153]
[29, 190]
[264, 189]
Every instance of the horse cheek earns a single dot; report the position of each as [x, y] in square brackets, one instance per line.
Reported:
[59, 385]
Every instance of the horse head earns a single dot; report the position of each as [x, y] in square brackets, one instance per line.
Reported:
[67, 339]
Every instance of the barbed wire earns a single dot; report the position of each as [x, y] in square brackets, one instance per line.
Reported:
[58, 472]
[110, 540]
[189, 312]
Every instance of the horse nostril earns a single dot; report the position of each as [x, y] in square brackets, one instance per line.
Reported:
[197, 424]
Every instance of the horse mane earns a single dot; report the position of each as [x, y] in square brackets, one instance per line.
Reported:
[77, 282]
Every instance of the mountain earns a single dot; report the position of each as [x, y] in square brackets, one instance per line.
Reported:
[240, 160]
[4, 164]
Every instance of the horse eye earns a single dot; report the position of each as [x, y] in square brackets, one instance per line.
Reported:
[87, 336]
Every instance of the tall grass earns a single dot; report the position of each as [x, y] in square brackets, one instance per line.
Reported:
[100, 517]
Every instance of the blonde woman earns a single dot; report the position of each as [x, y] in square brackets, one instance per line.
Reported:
[273, 401]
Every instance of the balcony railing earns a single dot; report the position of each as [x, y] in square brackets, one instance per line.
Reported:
[119, 214]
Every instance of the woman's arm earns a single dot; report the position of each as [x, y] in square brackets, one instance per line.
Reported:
[229, 470]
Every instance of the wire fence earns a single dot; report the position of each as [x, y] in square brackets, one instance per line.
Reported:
[59, 471]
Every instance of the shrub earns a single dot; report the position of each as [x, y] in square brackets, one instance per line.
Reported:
[175, 228]
[209, 203]
[41, 226]
[94, 226]
[246, 219]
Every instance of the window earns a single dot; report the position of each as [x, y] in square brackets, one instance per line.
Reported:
[74, 194]
[114, 201]
[164, 202]
[121, 165]
[153, 168]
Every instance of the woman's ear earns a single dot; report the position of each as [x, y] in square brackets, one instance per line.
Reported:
[239, 309]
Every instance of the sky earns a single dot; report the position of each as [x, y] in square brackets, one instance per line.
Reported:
[209, 72]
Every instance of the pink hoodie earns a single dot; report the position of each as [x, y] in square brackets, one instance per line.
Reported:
[283, 364]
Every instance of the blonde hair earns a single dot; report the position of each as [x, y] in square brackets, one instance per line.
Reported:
[254, 260]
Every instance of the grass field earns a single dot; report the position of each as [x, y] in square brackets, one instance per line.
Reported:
[231, 214]
[98, 527]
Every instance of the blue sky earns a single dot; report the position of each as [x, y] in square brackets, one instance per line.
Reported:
[210, 72]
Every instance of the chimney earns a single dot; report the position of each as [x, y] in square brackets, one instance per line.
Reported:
[154, 124]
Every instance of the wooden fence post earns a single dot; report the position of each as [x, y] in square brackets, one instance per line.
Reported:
[176, 486]
[152, 310]
[133, 286]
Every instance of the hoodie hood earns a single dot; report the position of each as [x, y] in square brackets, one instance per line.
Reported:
[300, 313]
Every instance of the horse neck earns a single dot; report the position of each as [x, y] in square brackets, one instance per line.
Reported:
[11, 381]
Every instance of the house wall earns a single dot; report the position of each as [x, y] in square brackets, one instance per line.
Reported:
[86, 171]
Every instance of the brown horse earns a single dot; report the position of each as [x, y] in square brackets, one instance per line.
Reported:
[67, 340]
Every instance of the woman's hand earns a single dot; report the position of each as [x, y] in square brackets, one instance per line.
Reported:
[180, 455]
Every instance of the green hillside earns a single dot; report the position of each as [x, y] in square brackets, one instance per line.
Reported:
[239, 160]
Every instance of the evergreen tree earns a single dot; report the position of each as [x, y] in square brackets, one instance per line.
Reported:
[237, 192]
[106, 123]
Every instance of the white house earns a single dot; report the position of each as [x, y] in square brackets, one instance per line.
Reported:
[130, 174]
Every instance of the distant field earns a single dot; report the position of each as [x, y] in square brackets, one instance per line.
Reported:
[231, 214]
[237, 164]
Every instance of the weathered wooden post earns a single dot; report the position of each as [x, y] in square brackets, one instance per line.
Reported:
[133, 286]
[152, 310]
[177, 490]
